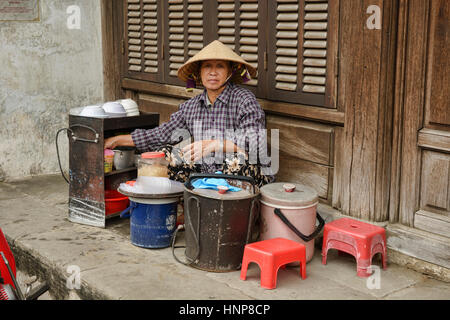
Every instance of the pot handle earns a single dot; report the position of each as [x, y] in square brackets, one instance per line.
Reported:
[252, 219]
[195, 234]
[296, 231]
[128, 211]
[194, 176]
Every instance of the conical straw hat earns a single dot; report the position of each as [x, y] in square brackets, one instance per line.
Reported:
[216, 50]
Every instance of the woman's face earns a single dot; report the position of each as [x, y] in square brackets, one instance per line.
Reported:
[214, 73]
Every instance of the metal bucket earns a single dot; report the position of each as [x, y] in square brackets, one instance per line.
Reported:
[289, 211]
[218, 226]
[152, 221]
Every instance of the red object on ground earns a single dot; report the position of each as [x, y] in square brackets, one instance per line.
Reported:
[115, 202]
[9, 256]
[360, 239]
[272, 254]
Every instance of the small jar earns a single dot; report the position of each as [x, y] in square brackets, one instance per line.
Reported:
[153, 164]
[108, 160]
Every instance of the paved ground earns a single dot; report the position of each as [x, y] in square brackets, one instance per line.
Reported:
[33, 215]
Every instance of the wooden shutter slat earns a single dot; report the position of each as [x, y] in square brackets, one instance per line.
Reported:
[287, 43]
[287, 26]
[226, 31]
[226, 15]
[251, 49]
[314, 89]
[314, 80]
[315, 53]
[314, 71]
[287, 61]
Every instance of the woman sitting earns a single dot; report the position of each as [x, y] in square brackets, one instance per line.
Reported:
[226, 122]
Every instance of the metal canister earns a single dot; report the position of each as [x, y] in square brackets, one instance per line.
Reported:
[289, 210]
[219, 225]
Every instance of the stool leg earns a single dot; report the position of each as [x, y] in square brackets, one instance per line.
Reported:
[384, 258]
[324, 255]
[303, 269]
[269, 277]
[244, 267]
[362, 267]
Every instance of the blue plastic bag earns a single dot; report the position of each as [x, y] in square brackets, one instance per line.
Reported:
[213, 183]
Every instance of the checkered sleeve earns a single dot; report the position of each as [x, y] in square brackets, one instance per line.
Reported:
[251, 123]
[254, 136]
[151, 139]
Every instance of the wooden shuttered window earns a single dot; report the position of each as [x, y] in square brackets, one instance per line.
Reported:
[292, 43]
[184, 36]
[240, 25]
[302, 51]
[141, 46]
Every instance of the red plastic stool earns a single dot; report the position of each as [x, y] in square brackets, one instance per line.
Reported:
[272, 254]
[361, 240]
[4, 247]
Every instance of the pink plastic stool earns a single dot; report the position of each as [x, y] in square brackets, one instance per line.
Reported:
[361, 240]
[272, 254]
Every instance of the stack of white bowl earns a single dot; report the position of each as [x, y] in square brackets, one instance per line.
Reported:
[114, 109]
[130, 107]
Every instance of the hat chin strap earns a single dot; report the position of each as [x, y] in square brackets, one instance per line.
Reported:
[226, 81]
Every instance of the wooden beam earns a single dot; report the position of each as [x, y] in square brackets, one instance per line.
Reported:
[366, 94]
[412, 115]
[111, 74]
[434, 139]
[419, 244]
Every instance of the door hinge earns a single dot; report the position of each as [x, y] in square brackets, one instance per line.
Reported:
[123, 47]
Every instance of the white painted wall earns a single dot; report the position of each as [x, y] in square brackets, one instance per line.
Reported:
[45, 70]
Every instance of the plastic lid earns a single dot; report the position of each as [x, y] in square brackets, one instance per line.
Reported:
[281, 194]
[109, 152]
[153, 155]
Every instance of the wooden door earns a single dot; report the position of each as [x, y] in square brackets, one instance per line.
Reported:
[420, 188]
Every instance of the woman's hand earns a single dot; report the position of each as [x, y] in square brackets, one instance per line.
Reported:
[119, 141]
[199, 149]
[202, 148]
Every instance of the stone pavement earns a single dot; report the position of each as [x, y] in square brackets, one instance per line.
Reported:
[33, 216]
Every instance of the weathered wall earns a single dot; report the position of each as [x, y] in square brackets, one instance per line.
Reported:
[45, 70]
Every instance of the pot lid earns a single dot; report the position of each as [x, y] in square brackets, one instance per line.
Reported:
[288, 195]
[153, 155]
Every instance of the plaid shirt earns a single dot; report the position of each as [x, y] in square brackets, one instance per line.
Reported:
[235, 116]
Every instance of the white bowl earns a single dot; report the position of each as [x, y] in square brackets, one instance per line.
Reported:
[128, 104]
[93, 111]
[132, 114]
[113, 107]
[116, 115]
